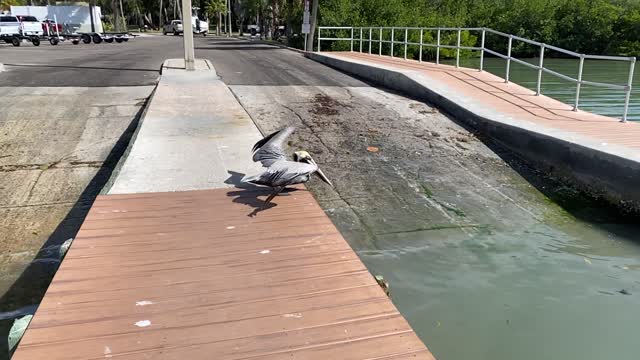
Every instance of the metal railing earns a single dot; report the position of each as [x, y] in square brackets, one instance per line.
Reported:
[362, 33]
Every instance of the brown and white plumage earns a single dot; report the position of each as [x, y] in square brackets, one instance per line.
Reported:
[278, 171]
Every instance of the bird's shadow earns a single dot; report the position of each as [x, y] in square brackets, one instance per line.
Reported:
[248, 194]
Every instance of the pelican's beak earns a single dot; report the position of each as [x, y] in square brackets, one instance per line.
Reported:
[324, 177]
[320, 173]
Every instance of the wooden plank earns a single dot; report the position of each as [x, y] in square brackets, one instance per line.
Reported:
[190, 275]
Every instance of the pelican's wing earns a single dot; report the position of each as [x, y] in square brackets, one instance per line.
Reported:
[281, 173]
[271, 148]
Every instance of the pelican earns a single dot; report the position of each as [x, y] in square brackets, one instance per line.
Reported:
[280, 172]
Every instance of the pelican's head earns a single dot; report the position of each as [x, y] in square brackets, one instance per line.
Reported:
[305, 157]
[302, 156]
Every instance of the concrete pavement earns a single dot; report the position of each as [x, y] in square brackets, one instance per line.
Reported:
[193, 136]
[58, 147]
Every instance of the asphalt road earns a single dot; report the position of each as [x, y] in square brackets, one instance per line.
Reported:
[241, 62]
[133, 63]
[138, 62]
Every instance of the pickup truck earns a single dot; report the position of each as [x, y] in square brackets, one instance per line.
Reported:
[30, 26]
[175, 27]
[9, 27]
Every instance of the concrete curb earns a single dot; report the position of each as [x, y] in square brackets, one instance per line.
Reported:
[178, 64]
[116, 169]
[610, 172]
[2, 67]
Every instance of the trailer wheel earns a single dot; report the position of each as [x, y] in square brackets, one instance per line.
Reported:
[97, 39]
[54, 41]
[119, 40]
[75, 42]
[15, 41]
[109, 40]
[204, 33]
[86, 38]
[125, 39]
[35, 41]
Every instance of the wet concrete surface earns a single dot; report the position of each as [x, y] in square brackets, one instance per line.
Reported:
[58, 147]
[486, 257]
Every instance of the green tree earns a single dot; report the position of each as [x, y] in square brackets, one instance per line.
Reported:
[215, 8]
[6, 4]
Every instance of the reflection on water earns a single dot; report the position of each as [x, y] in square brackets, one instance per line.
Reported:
[604, 101]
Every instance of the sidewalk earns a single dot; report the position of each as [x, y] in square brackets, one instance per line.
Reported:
[193, 133]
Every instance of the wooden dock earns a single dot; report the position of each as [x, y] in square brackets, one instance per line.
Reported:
[189, 275]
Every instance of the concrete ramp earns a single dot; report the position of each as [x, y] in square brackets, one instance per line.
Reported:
[598, 154]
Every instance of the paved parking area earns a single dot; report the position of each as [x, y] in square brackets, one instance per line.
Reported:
[134, 63]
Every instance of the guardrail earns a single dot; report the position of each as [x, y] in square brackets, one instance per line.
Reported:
[379, 39]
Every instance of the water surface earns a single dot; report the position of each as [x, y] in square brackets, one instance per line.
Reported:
[600, 100]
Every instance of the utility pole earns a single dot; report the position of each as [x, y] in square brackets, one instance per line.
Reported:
[187, 30]
[314, 17]
[229, 18]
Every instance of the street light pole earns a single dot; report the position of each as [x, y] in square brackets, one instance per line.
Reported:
[187, 30]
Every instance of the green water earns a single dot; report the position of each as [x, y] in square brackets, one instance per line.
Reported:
[604, 101]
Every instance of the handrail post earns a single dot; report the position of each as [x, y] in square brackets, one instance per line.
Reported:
[392, 39]
[506, 77]
[628, 95]
[406, 34]
[319, 28]
[540, 67]
[360, 39]
[380, 43]
[458, 49]
[579, 84]
[438, 49]
[420, 56]
[482, 51]
[352, 39]
[370, 30]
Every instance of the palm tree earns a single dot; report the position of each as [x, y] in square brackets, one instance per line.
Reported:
[215, 7]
